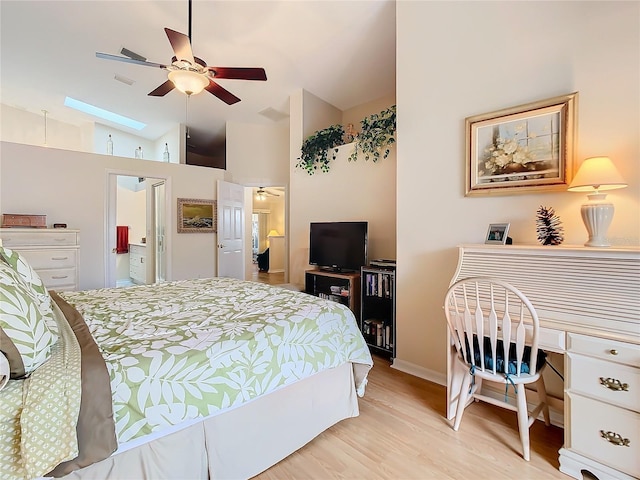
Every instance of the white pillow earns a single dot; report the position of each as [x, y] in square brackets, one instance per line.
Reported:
[25, 337]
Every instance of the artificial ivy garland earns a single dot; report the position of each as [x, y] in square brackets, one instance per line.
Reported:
[376, 135]
[316, 147]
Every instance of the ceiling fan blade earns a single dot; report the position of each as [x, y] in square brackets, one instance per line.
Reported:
[163, 89]
[128, 53]
[181, 45]
[239, 73]
[108, 56]
[223, 94]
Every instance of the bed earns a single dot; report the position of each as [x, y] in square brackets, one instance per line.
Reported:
[206, 378]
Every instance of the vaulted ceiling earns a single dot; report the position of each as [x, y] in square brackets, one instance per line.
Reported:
[340, 51]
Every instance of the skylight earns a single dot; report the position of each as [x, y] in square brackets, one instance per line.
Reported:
[104, 114]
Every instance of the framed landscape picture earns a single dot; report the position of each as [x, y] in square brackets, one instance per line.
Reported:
[196, 216]
[521, 149]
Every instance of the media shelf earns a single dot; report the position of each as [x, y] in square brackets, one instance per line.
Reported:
[346, 287]
[378, 309]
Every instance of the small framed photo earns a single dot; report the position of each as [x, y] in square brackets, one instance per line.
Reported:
[196, 216]
[497, 233]
[522, 149]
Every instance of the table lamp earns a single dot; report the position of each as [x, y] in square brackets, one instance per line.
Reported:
[594, 175]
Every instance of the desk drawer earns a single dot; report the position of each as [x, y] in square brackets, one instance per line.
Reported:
[589, 418]
[614, 383]
[611, 350]
[50, 258]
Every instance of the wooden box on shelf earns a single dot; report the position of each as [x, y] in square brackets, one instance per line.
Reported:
[12, 220]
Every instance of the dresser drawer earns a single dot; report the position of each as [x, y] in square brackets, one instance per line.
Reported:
[50, 258]
[611, 350]
[38, 237]
[55, 278]
[600, 379]
[589, 418]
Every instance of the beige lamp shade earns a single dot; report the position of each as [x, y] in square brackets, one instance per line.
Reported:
[273, 233]
[188, 82]
[597, 173]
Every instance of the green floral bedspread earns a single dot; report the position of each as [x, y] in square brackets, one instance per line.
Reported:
[186, 349]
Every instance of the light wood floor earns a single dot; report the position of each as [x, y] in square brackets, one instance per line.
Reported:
[265, 277]
[401, 433]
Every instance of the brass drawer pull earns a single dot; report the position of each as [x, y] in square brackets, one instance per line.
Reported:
[613, 351]
[615, 438]
[614, 384]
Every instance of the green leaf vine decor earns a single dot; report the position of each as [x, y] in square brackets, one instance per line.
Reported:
[377, 134]
[316, 147]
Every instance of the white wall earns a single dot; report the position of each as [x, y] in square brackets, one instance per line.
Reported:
[70, 187]
[458, 59]
[258, 155]
[22, 126]
[350, 191]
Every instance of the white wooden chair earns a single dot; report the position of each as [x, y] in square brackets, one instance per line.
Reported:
[494, 329]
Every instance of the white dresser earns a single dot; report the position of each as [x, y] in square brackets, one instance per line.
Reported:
[138, 263]
[52, 252]
[588, 301]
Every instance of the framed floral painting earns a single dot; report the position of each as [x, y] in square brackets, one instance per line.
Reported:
[522, 149]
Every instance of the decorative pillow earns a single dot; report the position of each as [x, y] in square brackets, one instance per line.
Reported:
[16, 261]
[25, 338]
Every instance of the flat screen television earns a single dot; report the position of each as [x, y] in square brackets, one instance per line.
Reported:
[338, 246]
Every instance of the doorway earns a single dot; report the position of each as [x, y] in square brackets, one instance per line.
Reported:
[269, 240]
[136, 244]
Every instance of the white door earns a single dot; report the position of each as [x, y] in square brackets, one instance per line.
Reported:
[230, 230]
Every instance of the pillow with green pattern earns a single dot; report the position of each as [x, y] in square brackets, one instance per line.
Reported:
[17, 261]
[25, 338]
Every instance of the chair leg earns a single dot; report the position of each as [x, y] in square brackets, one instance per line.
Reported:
[463, 397]
[523, 421]
[542, 395]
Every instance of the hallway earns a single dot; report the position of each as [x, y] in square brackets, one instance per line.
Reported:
[265, 277]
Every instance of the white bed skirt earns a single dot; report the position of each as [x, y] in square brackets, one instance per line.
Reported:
[239, 443]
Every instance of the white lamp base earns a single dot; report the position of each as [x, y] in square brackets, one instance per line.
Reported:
[597, 217]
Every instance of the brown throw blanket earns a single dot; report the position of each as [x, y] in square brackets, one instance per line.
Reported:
[95, 428]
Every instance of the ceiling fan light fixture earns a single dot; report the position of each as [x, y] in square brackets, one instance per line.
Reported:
[188, 82]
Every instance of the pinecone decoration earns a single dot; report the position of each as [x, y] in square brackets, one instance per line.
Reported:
[549, 227]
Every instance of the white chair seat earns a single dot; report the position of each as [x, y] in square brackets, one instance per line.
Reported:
[497, 312]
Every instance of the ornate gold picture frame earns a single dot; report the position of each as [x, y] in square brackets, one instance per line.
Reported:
[197, 216]
[522, 149]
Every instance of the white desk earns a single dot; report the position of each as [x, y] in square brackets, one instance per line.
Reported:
[588, 302]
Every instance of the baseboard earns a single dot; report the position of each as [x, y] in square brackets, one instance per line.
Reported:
[418, 371]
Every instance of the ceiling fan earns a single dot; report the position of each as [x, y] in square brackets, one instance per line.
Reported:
[262, 194]
[188, 73]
